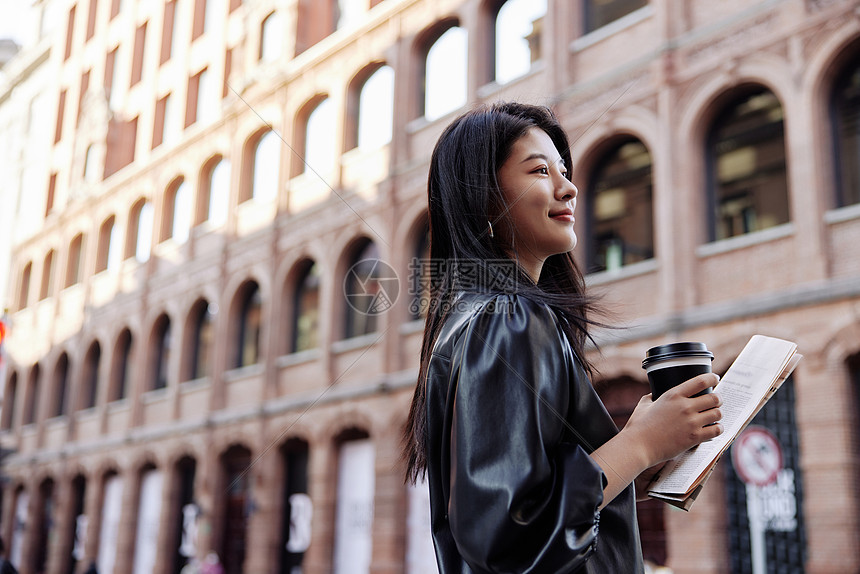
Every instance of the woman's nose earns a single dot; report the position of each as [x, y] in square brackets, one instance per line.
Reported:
[566, 189]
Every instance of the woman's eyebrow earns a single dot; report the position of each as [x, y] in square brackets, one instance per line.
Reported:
[544, 157]
[535, 156]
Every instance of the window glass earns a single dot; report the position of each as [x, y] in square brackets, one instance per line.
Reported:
[121, 382]
[60, 396]
[620, 209]
[251, 324]
[207, 98]
[306, 329]
[518, 32]
[361, 280]
[47, 287]
[320, 152]
[204, 334]
[348, 12]
[419, 277]
[161, 354]
[91, 376]
[846, 113]
[266, 168]
[272, 38]
[181, 213]
[353, 537]
[375, 109]
[599, 13]
[747, 164]
[31, 399]
[446, 74]
[144, 232]
[219, 193]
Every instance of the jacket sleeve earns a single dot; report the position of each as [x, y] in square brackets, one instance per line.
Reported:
[522, 498]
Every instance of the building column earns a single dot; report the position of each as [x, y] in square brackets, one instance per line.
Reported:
[389, 507]
[128, 522]
[62, 537]
[263, 530]
[7, 520]
[205, 483]
[93, 511]
[167, 521]
[322, 485]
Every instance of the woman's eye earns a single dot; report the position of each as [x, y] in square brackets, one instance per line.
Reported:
[542, 170]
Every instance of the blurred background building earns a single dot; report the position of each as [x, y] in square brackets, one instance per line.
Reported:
[187, 186]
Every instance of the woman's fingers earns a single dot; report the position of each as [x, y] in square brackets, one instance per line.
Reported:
[696, 385]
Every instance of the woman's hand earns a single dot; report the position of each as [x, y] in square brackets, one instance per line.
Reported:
[644, 479]
[677, 421]
[658, 431]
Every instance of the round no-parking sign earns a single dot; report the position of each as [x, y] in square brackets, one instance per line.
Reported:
[757, 456]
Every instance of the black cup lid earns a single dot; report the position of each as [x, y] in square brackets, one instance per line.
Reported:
[674, 350]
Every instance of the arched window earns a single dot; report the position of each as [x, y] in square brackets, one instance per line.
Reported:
[619, 208]
[90, 376]
[120, 379]
[420, 269]
[24, 286]
[250, 325]
[183, 514]
[518, 31]
[599, 13]
[320, 148]
[111, 513]
[214, 194]
[356, 479]
[747, 169]
[176, 216]
[446, 73]
[271, 38]
[298, 509]
[348, 12]
[31, 397]
[139, 238]
[73, 266]
[375, 109]
[846, 132]
[90, 173]
[201, 336]
[44, 526]
[148, 519]
[307, 313]
[7, 420]
[159, 354]
[47, 287]
[60, 387]
[235, 487]
[362, 290]
[108, 253]
[266, 167]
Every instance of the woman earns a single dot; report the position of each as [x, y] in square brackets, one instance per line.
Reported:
[527, 472]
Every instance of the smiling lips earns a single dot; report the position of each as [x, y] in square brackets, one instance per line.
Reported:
[563, 215]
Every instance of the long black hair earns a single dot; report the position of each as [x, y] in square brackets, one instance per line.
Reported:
[463, 196]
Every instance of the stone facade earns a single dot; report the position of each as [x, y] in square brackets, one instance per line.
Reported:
[659, 74]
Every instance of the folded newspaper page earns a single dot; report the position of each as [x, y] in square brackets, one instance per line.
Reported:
[758, 372]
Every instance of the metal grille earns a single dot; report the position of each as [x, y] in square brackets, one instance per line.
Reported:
[786, 550]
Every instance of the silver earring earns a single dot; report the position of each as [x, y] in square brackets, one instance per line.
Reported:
[490, 225]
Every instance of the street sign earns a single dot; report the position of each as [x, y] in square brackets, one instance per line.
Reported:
[757, 456]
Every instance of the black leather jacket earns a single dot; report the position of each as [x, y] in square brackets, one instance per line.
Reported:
[512, 418]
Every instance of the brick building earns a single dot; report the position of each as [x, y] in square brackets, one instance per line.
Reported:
[185, 371]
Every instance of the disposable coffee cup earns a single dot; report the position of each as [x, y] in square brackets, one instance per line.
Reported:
[670, 365]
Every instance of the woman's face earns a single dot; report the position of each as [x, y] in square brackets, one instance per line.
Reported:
[541, 201]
